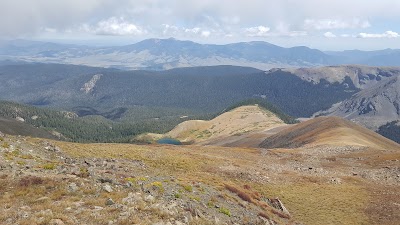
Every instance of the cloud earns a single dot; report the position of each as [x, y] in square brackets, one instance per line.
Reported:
[387, 34]
[117, 26]
[194, 30]
[327, 24]
[205, 33]
[329, 35]
[259, 31]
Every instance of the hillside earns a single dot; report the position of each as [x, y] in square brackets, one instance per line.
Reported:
[372, 107]
[235, 122]
[331, 131]
[40, 122]
[14, 127]
[99, 91]
[48, 182]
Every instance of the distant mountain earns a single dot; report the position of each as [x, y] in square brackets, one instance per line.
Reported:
[386, 57]
[161, 54]
[371, 107]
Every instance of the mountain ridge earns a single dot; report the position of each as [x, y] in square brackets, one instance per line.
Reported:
[160, 54]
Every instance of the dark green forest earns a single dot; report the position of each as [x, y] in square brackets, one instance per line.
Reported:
[100, 129]
[391, 130]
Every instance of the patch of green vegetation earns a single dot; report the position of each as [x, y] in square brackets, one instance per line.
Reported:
[158, 185]
[178, 195]
[5, 145]
[83, 172]
[187, 188]
[194, 198]
[225, 211]
[49, 166]
[133, 180]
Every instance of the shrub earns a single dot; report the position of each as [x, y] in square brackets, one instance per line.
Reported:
[49, 166]
[188, 188]
[263, 214]
[30, 180]
[5, 145]
[177, 195]
[83, 172]
[225, 211]
[243, 195]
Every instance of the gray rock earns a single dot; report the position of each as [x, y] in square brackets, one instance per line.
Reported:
[107, 188]
[149, 198]
[109, 201]
[72, 187]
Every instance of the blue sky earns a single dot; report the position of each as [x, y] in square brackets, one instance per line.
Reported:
[323, 24]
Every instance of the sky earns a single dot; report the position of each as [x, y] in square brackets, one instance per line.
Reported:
[322, 24]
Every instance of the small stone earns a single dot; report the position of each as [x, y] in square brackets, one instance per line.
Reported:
[72, 187]
[98, 208]
[149, 198]
[110, 202]
[56, 222]
[107, 188]
[42, 199]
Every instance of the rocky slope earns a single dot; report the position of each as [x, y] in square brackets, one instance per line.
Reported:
[372, 107]
[48, 182]
[359, 76]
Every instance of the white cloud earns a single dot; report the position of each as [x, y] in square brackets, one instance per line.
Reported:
[387, 34]
[170, 29]
[205, 33]
[329, 35]
[194, 30]
[328, 24]
[260, 31]
[117, 26]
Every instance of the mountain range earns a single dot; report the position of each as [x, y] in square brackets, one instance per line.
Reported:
[161, 54]
[366, 95]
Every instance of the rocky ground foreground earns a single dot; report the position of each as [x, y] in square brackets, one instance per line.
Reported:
[48, 182]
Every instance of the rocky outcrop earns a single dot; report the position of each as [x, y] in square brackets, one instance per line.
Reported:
[372, 107]
[89, 86]
[361, 77]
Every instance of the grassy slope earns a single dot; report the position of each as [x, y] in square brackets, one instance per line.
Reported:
[235, 122]
[328, 131]
[310, 200]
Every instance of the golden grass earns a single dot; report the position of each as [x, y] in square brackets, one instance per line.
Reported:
[312, 201]
[322, 203]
